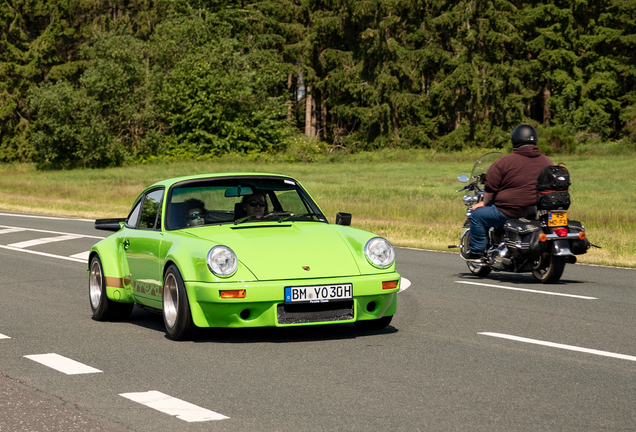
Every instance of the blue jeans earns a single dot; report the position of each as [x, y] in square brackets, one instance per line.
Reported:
[481, 220]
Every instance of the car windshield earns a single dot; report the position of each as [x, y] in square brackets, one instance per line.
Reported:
[238, 200]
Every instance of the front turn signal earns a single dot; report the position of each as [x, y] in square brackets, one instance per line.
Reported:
[389, 285]
[232, 294]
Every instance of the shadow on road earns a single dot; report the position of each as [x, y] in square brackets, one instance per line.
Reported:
[154, 321]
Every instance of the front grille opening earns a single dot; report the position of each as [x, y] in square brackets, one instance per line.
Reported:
[315, 312]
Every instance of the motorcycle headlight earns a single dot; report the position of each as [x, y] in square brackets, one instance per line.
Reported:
[470, 200]
[379, 252]
[222, 261]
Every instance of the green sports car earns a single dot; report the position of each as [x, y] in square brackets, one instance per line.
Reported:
[240, 250]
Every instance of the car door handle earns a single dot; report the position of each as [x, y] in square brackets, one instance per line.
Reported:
[126, 244]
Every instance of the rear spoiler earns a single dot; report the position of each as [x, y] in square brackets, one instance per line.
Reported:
[109, 224]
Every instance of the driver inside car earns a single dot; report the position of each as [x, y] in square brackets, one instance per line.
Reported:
[255, 205]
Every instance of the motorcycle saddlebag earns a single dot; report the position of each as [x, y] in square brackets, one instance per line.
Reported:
[523, 236]
[578, 247]
[553, 200]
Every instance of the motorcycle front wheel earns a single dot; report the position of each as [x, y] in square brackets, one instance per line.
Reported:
[479, 270]
[548, 268]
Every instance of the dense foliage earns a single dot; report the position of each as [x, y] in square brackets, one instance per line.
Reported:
[95, 83]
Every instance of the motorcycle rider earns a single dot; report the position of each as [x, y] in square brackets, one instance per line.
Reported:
[510, 187]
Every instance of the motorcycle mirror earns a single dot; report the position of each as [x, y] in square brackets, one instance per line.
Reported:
[463, 178]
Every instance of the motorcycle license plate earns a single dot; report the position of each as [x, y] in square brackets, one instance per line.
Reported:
[556, 219]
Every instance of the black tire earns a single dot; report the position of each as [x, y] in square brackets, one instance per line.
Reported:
[176, 309]
[479, 270]
[548, 268]
[376, 324]
[102, 307]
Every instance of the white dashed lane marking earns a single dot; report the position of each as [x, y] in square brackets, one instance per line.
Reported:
[62, 364]
[561, 346]
[83, 256]
[43, 254]
[44, 240]
[59, 237]
[404, 284]
[4, 336]
[173, 406]
[528, 290]
[11, 230]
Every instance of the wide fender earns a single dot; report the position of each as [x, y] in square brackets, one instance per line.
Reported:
[356, 239]
[191, 258]
[115, 267]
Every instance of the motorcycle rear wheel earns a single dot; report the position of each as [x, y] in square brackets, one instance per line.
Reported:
[479, 270]
[548, 268]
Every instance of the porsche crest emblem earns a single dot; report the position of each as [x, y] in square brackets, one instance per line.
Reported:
[306, 268]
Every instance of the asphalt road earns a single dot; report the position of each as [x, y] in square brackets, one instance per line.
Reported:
[462, 354]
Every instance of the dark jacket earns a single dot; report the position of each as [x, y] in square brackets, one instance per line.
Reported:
[513, 179]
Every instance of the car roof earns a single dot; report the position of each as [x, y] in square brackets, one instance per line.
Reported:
[172, 181]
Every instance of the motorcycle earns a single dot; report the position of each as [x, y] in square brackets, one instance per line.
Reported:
[542, 242]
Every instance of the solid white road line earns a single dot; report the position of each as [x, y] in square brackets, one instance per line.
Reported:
[528, 290]
[62, 364]
[557, 345]
[11, 230]
[4, 336]
[44, 240]
[51, 232]
[173, 406]
[43, 254]
[45, 217]
[404, 283]
[82, 256]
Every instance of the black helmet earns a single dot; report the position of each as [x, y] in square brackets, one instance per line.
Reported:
[522, 135]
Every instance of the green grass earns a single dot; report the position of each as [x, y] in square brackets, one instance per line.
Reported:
[407, 196]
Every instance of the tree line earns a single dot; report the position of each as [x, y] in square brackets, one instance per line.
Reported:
[94, 83]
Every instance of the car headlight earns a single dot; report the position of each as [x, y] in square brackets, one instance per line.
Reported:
[222, 261]
[379, 252]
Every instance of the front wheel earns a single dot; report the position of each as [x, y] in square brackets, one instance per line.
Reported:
[176, 308]
[103, 308]
[548, 268]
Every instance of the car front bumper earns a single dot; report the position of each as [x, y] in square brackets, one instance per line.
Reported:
[264, 303]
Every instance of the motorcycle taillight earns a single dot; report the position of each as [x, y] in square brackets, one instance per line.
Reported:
[561, 232]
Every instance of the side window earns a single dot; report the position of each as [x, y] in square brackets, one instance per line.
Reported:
[151, 208]
[133, 218]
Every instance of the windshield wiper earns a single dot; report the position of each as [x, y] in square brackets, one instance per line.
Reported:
[272, 215]
[277, 215]
[244, 219]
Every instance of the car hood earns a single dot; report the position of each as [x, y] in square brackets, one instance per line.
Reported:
[287, 250]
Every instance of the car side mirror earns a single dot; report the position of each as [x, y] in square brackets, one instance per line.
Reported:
[110, 224]
[343, 219]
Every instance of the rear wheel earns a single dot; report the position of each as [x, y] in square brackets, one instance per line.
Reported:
[548, 268]
[478, 269]
[176, 308]
[376, 324]
[102, 307]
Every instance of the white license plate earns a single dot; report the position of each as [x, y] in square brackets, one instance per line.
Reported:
[318, 293]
